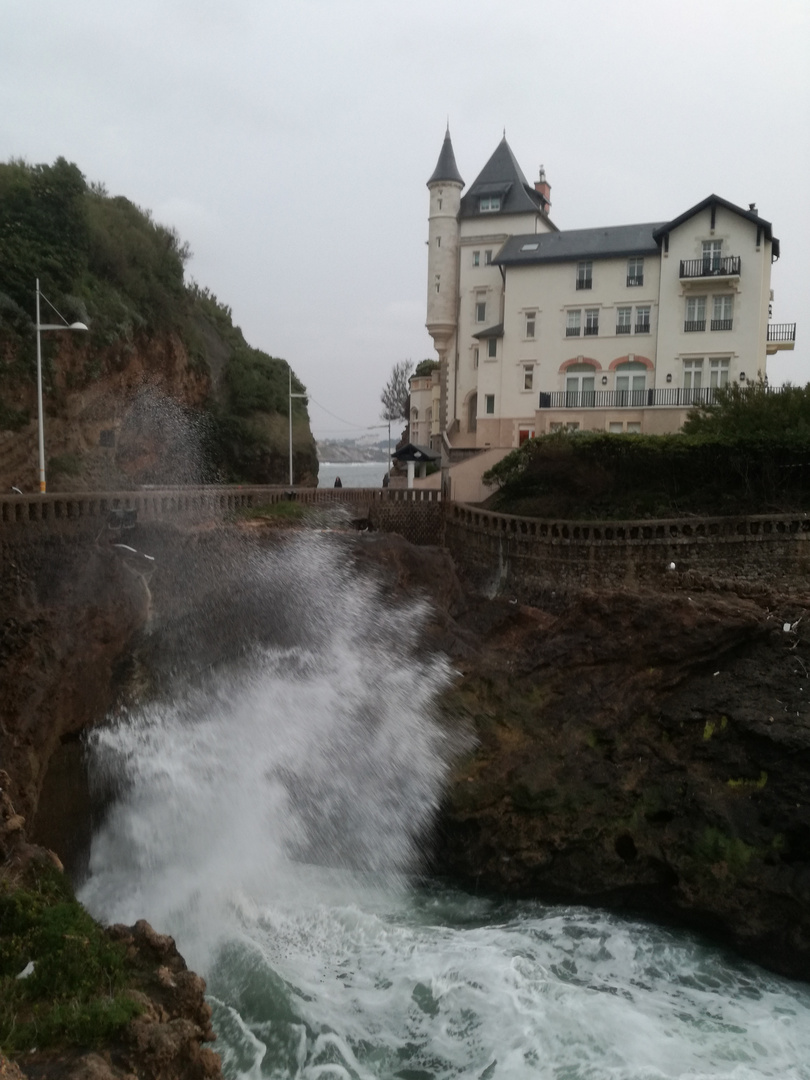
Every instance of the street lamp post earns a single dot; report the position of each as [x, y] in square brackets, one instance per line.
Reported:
[292, 395]
[46, 326]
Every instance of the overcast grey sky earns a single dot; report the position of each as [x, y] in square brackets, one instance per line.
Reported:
[290, 143]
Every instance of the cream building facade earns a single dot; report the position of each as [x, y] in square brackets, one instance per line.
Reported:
[619, 329]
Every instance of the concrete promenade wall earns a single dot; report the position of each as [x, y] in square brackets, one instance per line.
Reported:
[528, 557]
[534, 558]
[416, 514]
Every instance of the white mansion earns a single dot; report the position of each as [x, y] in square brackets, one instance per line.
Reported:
[618, 329]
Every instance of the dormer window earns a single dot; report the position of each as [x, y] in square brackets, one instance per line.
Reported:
[489, 203]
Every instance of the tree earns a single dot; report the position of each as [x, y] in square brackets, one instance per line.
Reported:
[396, 392]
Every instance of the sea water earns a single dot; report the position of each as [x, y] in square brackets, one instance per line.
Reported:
[353, 474]
[270, 814]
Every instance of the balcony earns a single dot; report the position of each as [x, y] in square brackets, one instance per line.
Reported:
[638, 279]
[693, 326]
[584, 283]
[780, 336]
[572, 331]
[623, 328]
[721, 324]
[674, 397]
[642, 328]
[711, 268]
[592, 330]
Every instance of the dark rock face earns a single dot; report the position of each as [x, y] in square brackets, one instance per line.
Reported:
[643, 752]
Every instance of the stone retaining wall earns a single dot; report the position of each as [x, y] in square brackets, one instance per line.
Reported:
[750, 555]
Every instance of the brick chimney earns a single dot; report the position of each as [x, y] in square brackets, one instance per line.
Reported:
[542, 187]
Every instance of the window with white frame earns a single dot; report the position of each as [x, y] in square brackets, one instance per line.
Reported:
[531, 322]
[580, 385]
[480, 308]
[585, 275]
[633, 427]
[487, 204]
[615, 427]
[475, 356]
[573, 323]
[631, 383]
[528, 376]
[718, 371]
[712, 255]
[492, 348]
[476, 258]
[635, 271]
[722, 312]
[489, 404]
[695, 314]
[591, 322]
[693, 374]
[643, 320]
[624, 319]
[488, 257]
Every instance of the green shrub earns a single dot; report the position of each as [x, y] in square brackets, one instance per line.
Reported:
[72, 997]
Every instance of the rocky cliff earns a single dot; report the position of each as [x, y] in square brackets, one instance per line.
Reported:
[636, 750]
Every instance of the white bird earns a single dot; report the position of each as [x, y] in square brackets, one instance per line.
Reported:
[27, 970]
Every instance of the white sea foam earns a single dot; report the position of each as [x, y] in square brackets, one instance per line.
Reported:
[266, 814]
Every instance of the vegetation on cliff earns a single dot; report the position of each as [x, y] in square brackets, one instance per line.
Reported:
[749, 452]
[103, 260]
[72, 994]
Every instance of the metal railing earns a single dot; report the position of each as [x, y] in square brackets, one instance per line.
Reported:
[623, 328]
[692, 325]
[642, 328]
[785, 331]
[592, 330]
[584, 283]
[626, 399]
[714, 267]
[721, 324]
[572, 331]
[637, 280]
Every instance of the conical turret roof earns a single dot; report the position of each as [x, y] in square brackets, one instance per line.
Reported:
[502, 176]
[446, 168]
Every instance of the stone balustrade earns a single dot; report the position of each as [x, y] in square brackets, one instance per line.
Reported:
[661, 531]
[166, 503]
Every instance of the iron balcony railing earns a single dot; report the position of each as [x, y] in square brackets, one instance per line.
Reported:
[785, 331]
[592, 330]
[626, 399]
[584, 283]
[692, 325]
[572, 331]
[642, 328]
[713, 267]
[721, 324]
[637, 279]
[623, 328]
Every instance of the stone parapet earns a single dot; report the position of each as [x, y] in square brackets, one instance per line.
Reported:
[528, 556]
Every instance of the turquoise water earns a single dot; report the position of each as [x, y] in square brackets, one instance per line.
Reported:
[270, 815]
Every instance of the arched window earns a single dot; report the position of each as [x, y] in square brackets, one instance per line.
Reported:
[631, 383]
[580, 386]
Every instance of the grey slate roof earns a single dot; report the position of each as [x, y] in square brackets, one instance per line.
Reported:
[414, 452]
[446, 168]
[502, 176]
[492, 331]
[615, 241]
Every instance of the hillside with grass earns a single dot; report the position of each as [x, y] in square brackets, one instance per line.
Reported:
[163, 388]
